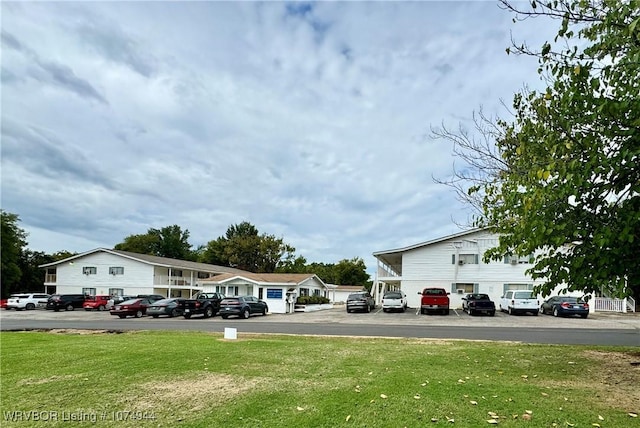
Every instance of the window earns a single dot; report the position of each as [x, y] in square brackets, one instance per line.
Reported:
[507, 287]
[518, 260]
[467, 288]
[89, 291]
[89, 270]
[464, 259]
[203, 275]
[316, 292]
[232, 291]
[176, 272]
[116, 291]
[116, 270]
[304, 292]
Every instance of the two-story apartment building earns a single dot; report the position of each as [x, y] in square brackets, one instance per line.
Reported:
[454, 263]
[115, 272]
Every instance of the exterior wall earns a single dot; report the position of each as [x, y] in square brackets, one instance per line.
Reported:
[136, 279]
[437, 265]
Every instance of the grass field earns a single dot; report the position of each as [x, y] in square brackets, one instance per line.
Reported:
[193, 379]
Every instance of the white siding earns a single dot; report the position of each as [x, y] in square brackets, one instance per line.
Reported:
[136, 279]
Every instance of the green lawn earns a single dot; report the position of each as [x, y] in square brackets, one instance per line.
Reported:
[194, 379]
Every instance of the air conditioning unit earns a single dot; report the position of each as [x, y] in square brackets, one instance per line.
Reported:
[514, 261]
[460, 291]
[460, 262]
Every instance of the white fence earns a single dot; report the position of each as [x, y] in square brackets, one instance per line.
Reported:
[606, 304]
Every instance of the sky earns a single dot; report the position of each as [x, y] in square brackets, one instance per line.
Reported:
[311, 121]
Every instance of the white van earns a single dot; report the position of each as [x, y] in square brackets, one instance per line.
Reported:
[519, 301]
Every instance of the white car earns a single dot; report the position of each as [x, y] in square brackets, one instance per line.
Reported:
[27, 301]
[394, 301]
[519, 301]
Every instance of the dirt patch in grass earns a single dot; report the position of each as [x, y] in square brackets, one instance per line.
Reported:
[194, 393]
[613, 379]
[81, 331]
[50, 379]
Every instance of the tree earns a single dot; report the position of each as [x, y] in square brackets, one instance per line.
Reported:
[244, 248]
[169, 241]
[563, 178]
[12, 241]
[32, 278]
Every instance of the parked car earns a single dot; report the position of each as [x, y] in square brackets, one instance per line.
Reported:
[434, 299]
[519, 301]
[475, 303]
[151, 297]
[242, 306]
[394, 301]
[560, 306]
[114, 300]
[28, 301]
[171, 307]
[206, 304]
[361, 301]
[3, 303]
[68, 302]
[134, 307]
[98, 302]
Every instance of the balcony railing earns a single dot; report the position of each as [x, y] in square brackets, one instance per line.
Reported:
[173, 281]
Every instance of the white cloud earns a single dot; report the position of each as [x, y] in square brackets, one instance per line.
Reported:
[310, 122]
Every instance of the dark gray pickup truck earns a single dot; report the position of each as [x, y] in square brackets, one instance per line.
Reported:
[478, 303]
[205, 304]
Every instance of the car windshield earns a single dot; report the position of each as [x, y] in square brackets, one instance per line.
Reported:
[522, 295]
[478, 297]
[356, 296]
[572, 300]
[163, 302]
[130, 302]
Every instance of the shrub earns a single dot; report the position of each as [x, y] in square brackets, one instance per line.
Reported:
[311, 300]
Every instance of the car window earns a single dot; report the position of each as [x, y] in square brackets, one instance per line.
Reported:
[523, 295]
[20, 296]
[393, 295]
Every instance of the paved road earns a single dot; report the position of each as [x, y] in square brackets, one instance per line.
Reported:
[598, 329]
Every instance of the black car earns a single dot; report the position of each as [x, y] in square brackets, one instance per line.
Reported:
[362, 301]
[170, 307]
[477, 303]
[560, 306]
[242, 306]
[68, 302]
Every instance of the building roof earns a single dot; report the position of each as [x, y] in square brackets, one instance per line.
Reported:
[393, 258]
[265, 278]
[155, 261]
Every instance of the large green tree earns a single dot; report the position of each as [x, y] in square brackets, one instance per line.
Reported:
[243, 247]
[12, 241]
[563, 177]
[169, 241]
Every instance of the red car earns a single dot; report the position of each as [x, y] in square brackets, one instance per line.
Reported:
[3, 303]
[134, 307]
[96, 302]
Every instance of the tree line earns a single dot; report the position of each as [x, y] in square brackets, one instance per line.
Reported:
[242, 247]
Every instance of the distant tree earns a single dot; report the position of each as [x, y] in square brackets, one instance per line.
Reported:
[293, 265]
[32, 276]
[352, 272]
[243, 247]
[12, 241]
[169, 241]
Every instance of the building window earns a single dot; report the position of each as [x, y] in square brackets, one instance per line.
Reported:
[89, 291]
[116, 291]
[518, 260]
[116, 270]
[466, 259]
[464, 288]
[203, 275]
[232, 291]
[507, 287]
[89, 270]
[304, 292]
[316, 292]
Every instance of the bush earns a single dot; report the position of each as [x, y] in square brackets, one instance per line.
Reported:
[311, 300]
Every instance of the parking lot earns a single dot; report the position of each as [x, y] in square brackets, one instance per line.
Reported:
[339, 315]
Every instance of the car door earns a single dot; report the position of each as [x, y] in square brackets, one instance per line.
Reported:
[504, 301]
[253, 304]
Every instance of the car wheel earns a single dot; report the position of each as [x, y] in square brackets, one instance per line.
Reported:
[30, 306]
[246, 313]
[264, 312]
[492, 313]
[368, 309]
[139, 314]
[155, 316]
[101, 308]
[510, 311]
[584, 316]
[187, 316]
[69, 307]
[555, 312]
[174, 313]
[208, 313]
[122, 316]
[472, 312]
[541, 310]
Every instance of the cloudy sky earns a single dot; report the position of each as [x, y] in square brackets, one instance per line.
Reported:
[309, 120]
